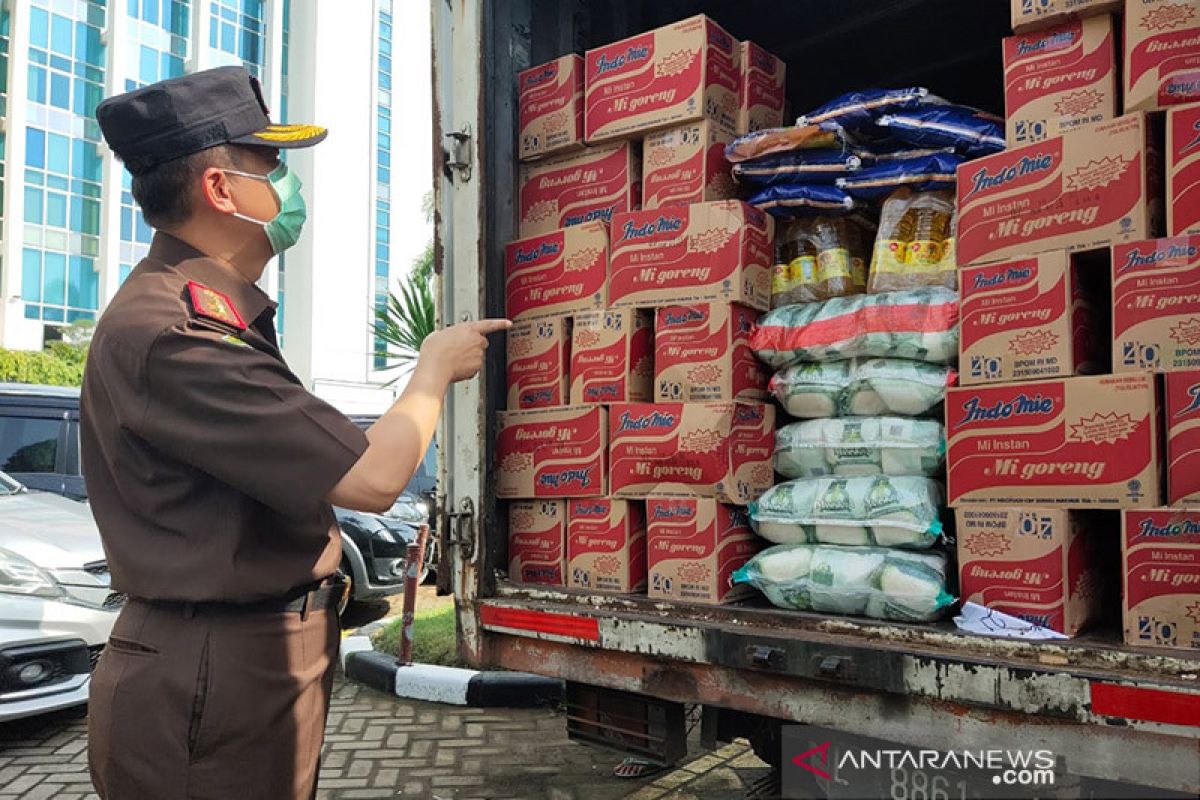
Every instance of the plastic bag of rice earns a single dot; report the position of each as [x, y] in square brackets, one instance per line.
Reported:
[870, 581]
[864, 387]
[919, 324]
[883, 510]
[851, 446]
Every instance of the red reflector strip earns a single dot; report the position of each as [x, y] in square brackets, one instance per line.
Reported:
[1151, 705]
[569, 625]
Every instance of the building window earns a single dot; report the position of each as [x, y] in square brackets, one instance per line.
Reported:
[158, 30]
[383, 172]
[63, 165]
[237, 29]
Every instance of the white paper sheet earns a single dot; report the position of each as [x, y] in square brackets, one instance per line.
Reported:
[989, 622]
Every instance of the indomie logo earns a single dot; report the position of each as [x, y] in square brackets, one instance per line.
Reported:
[1052, 42]
[567, 477]
[536, 252]
[538, 396]
[748, 414]
[682, 316]
[673, 511]
[1136, 258]
[632, 55]
[1194, 393]
[983, 281]
[660, 225]
[655, 419]
[974, 411]
[541, 76]
[1028, 165]
[761, 60]
[1183, 527]
[720, 38]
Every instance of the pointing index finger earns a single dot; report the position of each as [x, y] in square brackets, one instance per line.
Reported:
[486, 326]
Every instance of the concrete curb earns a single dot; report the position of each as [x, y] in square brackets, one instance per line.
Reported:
[437, 684]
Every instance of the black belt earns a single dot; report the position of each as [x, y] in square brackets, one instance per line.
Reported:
[327, 594]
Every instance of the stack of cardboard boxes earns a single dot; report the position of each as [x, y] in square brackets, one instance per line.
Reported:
[1056, 235]
[635, 427]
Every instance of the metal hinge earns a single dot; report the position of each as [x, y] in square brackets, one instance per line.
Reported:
[458, 528]
[457, 153]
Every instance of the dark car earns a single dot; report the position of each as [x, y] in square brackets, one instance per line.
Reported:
[420, 495]
[39, 446]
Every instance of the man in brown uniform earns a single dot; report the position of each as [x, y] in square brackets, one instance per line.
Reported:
[211, 469]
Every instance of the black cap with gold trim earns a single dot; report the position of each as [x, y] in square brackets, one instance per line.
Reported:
[180, 116]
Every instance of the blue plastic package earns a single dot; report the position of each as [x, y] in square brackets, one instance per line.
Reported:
[788, 200]
[925, 173]
[801, 166]
[860, 109]
[967, 130]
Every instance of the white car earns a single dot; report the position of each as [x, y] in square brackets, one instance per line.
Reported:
[56, 609]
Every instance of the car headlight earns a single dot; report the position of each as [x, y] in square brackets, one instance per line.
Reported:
[382, 533]
[19, 575]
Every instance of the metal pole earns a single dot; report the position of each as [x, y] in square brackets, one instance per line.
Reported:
[414, 556]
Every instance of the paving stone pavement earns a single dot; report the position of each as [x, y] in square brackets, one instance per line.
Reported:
[378, 746]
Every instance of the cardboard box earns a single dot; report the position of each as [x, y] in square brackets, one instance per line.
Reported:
[719, 450]
[557, 273]
[1090, 188]
[611, 356]
[686, 165]
[1076, 443]
[1161, 559]
[552, 452]
[761, 89]
[709, 252]
[1156, 305]
[1031, 14]
[537, 531]
[606, 545]
[550, 107]
[693, 548]
[1183, 439]
[1183, 170]
[1033, 318]
[587, 186]
[1060, 78]
[1039, 564]
[675, 74]
[1162, 53]
[538, 355]
[702, 353]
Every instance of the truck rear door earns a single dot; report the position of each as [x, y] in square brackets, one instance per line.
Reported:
[460, 204]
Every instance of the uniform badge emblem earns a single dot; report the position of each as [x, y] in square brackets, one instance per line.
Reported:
[210, 303]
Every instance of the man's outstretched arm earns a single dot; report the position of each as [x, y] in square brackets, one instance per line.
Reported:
[398, 440]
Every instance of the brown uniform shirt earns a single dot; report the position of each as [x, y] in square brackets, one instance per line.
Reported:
[207, 461]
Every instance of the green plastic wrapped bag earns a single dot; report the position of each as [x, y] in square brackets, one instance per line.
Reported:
[919, 324]
[877, 510]
[853, 446]
[868, 581]
[862, 387]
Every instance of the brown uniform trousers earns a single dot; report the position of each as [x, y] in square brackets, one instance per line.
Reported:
[212, 707]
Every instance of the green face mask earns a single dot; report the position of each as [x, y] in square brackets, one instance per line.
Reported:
[283, 230]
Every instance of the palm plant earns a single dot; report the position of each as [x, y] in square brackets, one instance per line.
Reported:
[404, 322]
[409, 315]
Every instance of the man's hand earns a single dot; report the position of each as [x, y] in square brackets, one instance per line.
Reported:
[457, 351]
[398, 440]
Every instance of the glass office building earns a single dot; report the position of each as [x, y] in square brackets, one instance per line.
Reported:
[71, 230]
